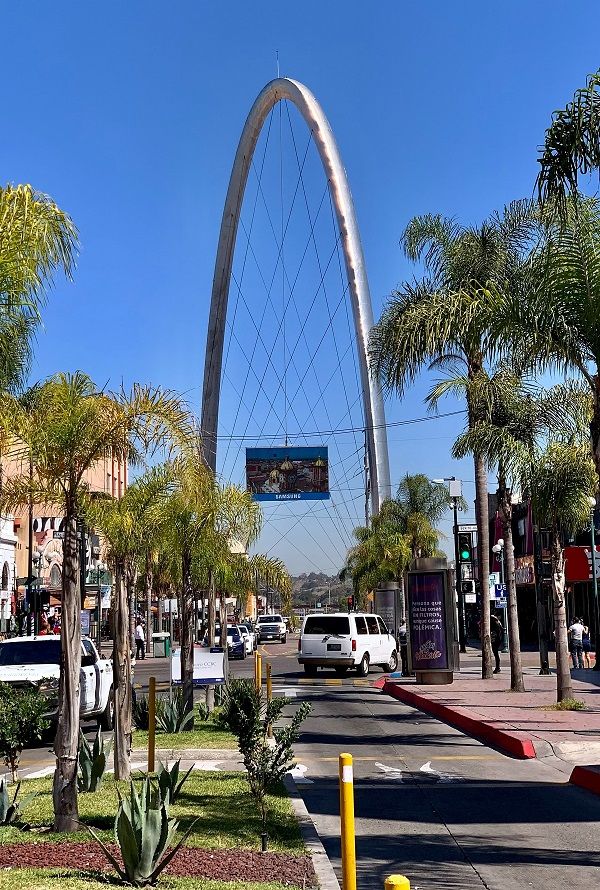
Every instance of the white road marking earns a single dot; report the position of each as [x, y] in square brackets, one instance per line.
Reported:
[395, 772]
[40, 773]
[209, 766]
[298, 775]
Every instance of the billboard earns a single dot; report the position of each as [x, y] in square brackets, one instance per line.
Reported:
[427, 621]
[288, 474]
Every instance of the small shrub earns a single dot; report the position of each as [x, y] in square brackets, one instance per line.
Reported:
[169, 782]
[203, 712]
[92, 762]
[22, 722]
[143, 832]
[567, 704]
[140, 712]
[171, 715]
[249, 716]
[12, 810]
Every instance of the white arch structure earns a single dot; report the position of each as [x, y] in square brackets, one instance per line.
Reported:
[362, 311]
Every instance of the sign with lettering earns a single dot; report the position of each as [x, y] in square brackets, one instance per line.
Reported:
[427, 621]
[209, 666]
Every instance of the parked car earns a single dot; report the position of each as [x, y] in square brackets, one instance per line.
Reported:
[346, 640]
[236, 646]
[35, 661]
[271, 627]
[249, 638]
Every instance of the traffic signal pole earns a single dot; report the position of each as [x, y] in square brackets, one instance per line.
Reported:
[462, 637]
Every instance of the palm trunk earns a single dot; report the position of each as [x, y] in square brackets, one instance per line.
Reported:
[64, 790]
[483, 562]
[121, 676]
[564, 687]
[130, 584]
[212, 621]
[514, 641]
[187, 632]
[148, 597]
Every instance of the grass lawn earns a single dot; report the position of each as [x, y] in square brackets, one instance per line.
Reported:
[62, 879]
[226, 812]
[205, 735]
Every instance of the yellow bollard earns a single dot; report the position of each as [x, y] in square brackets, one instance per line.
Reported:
[397, 882]
[269, 696]
[258, 671]
[347, 822]
[151, 723]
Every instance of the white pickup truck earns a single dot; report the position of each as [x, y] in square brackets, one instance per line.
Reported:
[35, 661]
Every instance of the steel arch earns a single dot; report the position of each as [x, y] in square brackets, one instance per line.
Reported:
[362, 311]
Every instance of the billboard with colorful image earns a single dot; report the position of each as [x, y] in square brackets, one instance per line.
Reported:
[288, 474]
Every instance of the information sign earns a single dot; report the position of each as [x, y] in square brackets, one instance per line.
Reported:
[209, 666]
[427, 621]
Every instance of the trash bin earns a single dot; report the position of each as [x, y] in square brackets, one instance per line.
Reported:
[161, 645]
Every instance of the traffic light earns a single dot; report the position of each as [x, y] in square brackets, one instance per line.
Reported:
[467, 587]
[465, 547]
[351, 603]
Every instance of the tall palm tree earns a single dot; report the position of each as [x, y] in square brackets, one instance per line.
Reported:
[561, 479]
[382, 552]
[130, 525]
[422, 504]
[445, 322]
[571, 146]
[66, 427]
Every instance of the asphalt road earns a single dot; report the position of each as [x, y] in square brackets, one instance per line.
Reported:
[430, 803]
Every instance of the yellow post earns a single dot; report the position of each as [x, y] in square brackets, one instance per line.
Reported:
[258, 671]
[151, 723]
[397, 882]
[269, 696]
[347, 822]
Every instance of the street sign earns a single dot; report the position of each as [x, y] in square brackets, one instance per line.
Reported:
[501, 602]
[470, 598]
[500, 591]
[60, 536]
[462, 527]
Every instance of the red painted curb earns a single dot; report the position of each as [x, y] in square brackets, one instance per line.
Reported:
[587, 777]
[466, 721]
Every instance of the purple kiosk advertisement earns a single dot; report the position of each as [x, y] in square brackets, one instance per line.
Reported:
[427, 621]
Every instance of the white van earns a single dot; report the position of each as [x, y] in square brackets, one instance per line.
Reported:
[346, 640]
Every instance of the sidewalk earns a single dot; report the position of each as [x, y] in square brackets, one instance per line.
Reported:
[516, 723]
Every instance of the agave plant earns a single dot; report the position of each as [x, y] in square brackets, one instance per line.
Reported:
[92, 762]
[141, 712]
[143, 831]
[169, 783]
[171, 715]
[11, 810]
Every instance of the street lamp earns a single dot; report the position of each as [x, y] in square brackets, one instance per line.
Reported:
[455, 491]
[36, 559]
[592, 502]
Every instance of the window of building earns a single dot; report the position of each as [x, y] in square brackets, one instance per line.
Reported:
[5, 576]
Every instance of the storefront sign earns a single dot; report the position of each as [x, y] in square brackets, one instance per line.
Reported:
[524, 570]
[578, 564]
[427, 621]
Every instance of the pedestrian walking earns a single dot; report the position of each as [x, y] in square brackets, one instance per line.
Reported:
[140, 641]
[586, 645]
[576, 642]
[497, 637]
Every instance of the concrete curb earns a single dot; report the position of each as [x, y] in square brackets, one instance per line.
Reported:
[321, 863]
[514, 743]
[587, 777]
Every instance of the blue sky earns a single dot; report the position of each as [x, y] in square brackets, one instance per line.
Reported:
[128, 114]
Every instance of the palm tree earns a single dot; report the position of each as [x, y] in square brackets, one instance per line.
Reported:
[445, 322]
[571, 147]
[205, 520]
[561, 479]
[130, 525]
[382, 552]
[67, 426]
[422, 504]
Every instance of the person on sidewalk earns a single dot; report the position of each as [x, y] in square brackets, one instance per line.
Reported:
[140, 641]
[576, 640]
[497, 636]
[586, 645]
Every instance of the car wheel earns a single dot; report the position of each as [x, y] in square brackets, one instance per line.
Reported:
[284, 639]
[392, 664]
[107, 716]
[341, 671]
[310, 670]
[363, 668]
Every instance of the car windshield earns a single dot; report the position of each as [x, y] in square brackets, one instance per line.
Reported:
[28, 652]
[270, 619]
[327, 624]
[243, 628]
[233, 633]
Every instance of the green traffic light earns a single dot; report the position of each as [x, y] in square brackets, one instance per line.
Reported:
[465, 554]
